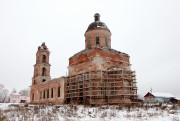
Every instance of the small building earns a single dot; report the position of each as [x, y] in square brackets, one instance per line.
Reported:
[149, 98]
[173, 100]
[178, 100]
[156, 97]
[18, 98]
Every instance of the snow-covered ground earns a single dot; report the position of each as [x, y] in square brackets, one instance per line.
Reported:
[86, 113]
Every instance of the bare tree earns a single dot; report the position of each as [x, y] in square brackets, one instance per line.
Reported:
[3, 94]
[25, 92]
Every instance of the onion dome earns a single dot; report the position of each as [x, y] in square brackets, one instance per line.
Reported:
[97, 24]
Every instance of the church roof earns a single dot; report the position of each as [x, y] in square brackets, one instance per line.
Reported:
[101, 48]
[97, 24]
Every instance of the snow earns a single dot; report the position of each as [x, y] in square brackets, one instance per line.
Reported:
[15, 94]
[87, 113]
[166, 95]
[4, 106]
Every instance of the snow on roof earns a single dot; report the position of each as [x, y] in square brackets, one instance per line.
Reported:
[178, 98]
[167, 95]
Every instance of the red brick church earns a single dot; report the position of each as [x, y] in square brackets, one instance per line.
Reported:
[96, 75]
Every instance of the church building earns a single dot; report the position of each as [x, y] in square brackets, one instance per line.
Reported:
[45, 90]
[96, 75]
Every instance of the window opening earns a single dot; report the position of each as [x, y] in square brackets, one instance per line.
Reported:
[44, 95]
[44, 71]
[106, 40]
[48, 93]
[97, 41]
[51, 92]
[44, 58]
[59, 91]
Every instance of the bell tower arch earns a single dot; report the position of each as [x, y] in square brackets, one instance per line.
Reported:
[42, 66]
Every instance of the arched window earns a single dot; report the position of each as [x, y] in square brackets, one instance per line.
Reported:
[43, 71]
[43, 80]
[97, 41]
[47, 93]
[59, 91]
[52, 93]
[44, 59]
[106, 41]
[44, 94]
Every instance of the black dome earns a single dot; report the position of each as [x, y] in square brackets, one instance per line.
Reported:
[97, 24]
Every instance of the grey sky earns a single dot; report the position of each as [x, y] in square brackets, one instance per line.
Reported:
[147, 30]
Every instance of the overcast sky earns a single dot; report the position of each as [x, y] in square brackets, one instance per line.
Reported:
[147, 30]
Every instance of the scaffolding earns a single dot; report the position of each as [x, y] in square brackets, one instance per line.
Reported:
[114, 86]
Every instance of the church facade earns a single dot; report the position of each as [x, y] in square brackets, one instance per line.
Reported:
[96, 75]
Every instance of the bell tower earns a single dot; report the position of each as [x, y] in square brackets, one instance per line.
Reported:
[42, 66]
